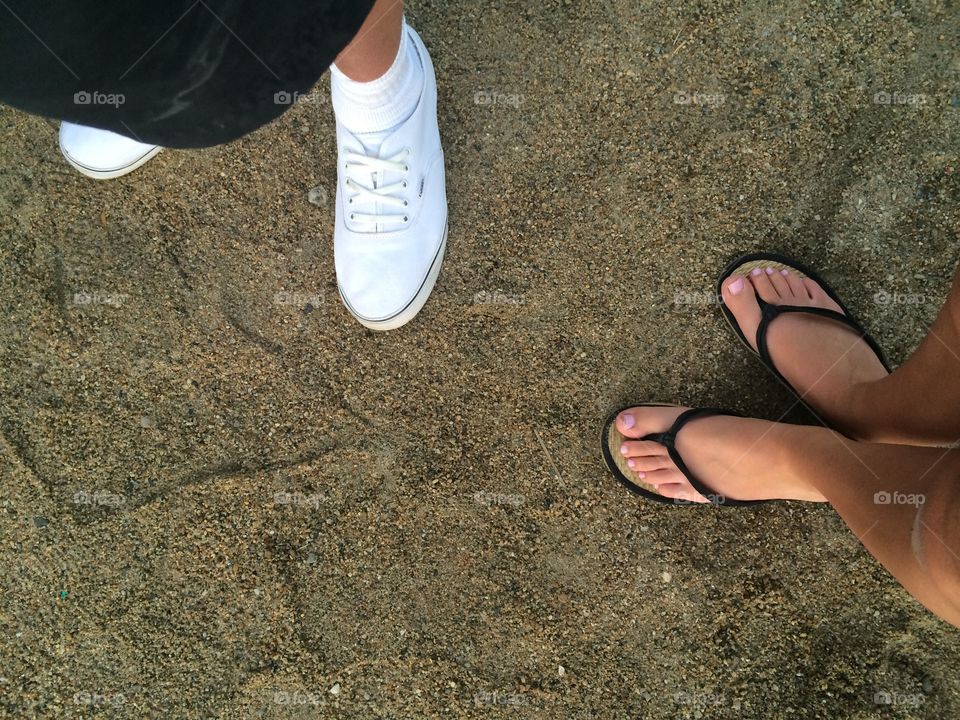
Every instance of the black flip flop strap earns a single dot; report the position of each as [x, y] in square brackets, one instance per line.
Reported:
[669, 438]
[770, 312]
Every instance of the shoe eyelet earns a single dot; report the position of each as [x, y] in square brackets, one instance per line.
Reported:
[352, 216]
[350, 201]
[405, 203]
[406, 168]
[404, 183]
[405, 218]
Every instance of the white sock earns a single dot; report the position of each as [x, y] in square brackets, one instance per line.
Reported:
[375, 108]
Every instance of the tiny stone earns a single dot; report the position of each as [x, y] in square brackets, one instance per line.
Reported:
[40, 521]
[335, 690]
[666, 577]
[561, 671]
[317, 196]
[146, 422]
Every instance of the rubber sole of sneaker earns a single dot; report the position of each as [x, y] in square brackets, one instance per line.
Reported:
[110, 174]
[414, 306]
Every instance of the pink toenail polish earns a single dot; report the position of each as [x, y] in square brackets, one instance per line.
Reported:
[623, 449]
[756, 271]
[784, 272]
[736, 286]
[641, 474]
[631, 463]
[628, 421]
[769, 271]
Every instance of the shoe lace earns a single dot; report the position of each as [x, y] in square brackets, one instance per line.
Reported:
[379, 196]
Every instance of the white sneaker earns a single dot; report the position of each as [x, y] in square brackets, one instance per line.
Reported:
[391, 217]
[102, 154]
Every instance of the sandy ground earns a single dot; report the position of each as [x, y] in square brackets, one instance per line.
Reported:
[222, 497]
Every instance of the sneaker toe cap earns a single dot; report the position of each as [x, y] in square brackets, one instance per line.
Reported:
[378, 286]
[100, 150]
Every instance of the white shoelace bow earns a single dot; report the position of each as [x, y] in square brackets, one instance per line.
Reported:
[359, 166]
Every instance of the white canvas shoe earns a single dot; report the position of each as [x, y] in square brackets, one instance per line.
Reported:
[391, 216]
[102, 154]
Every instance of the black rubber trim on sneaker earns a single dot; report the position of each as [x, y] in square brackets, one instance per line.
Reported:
[668, 440]
[440, 250]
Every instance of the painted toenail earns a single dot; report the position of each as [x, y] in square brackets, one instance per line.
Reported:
[641, 474]
[736, 286]
[623, 449]
[756, 271]
[628, 421]
[631, 463]
[784, 272]
[769, 271]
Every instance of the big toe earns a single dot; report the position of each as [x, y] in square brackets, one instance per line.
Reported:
[741, 299]
[637, 422]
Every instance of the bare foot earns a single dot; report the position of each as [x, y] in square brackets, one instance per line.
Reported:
[737, 458]
[822, 359]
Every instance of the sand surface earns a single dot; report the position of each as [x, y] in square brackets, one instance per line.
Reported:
[221, 497]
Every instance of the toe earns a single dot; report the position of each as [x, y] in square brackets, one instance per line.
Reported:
[681, 492]
[636, 422]
[765, 289]
[741, 299]
[797, 288]
[665, 476]
[649, 463]
[627, 424]
[819, 297]
[642, 449]
[779, 281]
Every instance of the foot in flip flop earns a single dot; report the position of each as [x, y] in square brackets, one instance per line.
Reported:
[821, 358]
[734, 458]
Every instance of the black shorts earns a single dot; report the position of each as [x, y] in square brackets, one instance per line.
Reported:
[177, 73]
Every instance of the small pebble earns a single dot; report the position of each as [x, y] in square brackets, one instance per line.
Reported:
[317, 196]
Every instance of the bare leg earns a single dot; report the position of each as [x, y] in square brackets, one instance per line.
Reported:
[872, 486]
[919, 403]
[370, 54]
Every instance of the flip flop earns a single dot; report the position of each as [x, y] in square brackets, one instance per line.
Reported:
[769, 312]
[611, 439]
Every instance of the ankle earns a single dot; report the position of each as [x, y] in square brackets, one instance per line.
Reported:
[381, 104]
[801, 448]
[861, 418]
